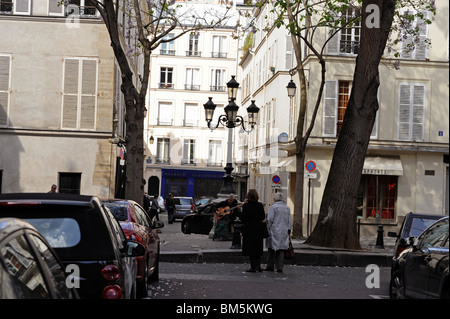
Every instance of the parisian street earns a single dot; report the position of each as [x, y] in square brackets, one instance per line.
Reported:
[231, 281]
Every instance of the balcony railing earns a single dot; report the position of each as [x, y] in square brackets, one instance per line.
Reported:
[167, 52]
[193, 53]
[166, 85]
[6, 6]
[219, 55]
[192, 87]
[214, 164]
[159, 160]
[349, 47]
[217, 88]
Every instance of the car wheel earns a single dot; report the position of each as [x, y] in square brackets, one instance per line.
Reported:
[397, 286]
[185, 227]
[142, 285]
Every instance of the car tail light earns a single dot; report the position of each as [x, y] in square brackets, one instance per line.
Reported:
[110, 273]
[400, 248]
[192, 207]
[112, 292]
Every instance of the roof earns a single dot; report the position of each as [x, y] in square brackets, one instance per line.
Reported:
[49, 198]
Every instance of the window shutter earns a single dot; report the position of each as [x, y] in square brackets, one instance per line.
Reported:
[289, 60]
[22, 6]
[70, 96]
[418, 112]
[165, 113]
[330, 108]
[190, 114]
[54, 9]
[88, 94]
[5, 62]
[404, 112]
[421, 47]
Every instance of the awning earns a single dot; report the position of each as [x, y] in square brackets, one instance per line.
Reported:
[378, 165]
[288, 165]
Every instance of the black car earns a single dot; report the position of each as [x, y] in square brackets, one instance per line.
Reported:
[200, 222]
[413, 225]
[29, 268]
[421, 270]
[86, 237]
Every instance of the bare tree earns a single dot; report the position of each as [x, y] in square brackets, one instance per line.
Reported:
[151, 21]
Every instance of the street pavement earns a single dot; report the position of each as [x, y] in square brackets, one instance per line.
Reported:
[197, 248]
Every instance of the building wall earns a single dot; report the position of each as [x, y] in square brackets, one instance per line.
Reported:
[35, 147]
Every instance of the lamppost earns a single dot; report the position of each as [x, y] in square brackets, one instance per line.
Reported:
[230, 120]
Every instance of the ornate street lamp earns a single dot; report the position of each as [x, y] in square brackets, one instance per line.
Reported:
[230, 120]
[291, 88]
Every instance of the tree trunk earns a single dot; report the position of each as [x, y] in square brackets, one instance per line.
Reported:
[336, 225]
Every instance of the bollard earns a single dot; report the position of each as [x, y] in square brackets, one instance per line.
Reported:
[380, 243]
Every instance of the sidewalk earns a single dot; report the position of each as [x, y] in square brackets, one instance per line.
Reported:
[196, 248]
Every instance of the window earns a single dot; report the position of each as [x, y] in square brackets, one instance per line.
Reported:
[162, 151]
[193, 45]
[6, 6]
[378, 194]
[69, 183]
[59, 232]
[346, 40]
[15, 6]
[166, 77]
[215, 153]
[54, 9]
[217, 80]
[219, 49]
[411, 110]
[190, 114]
[343, 97]
[165, 116]
[80, 7]
[435, 235]
[335, 101]
[5, 84]
[79, 103]
[192, 79]
[414, 46]
[168, 47]
[188, 151]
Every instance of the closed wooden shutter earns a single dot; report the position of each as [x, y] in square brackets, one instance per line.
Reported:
[330, 108]
[22, 7]
[54, 9]
[5, 66]
[411, 112]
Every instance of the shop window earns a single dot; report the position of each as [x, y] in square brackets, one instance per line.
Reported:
[378, 194]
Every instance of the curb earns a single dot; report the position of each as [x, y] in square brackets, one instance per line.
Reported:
[303, 257]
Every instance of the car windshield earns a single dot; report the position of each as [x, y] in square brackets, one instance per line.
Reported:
[419, 224]
[182, 201]
[59, 232]
[119, 210]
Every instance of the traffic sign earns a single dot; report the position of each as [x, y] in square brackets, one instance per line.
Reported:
[276, 179]
[310, 166]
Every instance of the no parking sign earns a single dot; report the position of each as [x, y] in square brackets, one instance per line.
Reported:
[310, 166]
[276, 179]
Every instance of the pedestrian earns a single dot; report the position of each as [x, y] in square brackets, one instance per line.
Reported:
[147, 201]
[279, 226]
[154, 208]
[252, 217]
[52, 189]
[170, 204]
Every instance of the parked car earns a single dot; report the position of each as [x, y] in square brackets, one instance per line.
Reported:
[83, 233]
[413, 225]
[29, 267]
[136, 224]
[203, 201]
[183, 207]
[200, 222]
[421, 270]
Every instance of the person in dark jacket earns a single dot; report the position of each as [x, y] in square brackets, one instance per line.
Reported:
[252, 216]
[170, 204]
[154, 208]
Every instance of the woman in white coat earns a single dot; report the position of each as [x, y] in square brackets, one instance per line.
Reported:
[279, 226]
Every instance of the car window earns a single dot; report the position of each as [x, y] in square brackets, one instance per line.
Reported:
[419, 224]
[119, 210]
[141, 216]
[58, 232]
[435, 235]
[117, 230]
[55, 268]
[24, 270]
[184, 201]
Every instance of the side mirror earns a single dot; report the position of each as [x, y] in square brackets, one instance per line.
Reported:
[133, 249]
[158, 224]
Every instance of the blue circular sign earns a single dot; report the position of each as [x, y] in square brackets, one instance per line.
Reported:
[310, 166]
[276, 179]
